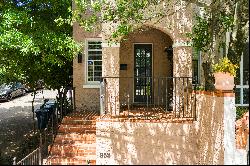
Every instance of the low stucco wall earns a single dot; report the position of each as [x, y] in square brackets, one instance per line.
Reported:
[145, 143]
[209, 129]
[198, 142]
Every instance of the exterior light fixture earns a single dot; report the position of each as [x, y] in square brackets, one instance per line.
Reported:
[169, 51]
[79, 56]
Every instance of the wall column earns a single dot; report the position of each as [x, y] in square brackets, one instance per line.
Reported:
[111, 68]
[182, 59]
[229, 128]
[182, 67]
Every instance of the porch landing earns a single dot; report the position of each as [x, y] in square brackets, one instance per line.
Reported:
[150, 114]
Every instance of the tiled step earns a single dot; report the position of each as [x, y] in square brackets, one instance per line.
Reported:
[56, 160]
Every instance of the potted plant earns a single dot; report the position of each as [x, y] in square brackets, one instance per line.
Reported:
[224, 73]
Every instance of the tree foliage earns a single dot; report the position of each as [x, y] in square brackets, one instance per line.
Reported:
[124, 15]
[33, 45]
[219, 20]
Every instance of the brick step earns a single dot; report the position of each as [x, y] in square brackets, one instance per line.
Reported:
[77, 126]
[74, 118]
[75, 142]
[82, 130]
[72, 152]
[73, 147]
[84, 114]
[74, 137]
[78, 121]
[64, 142]
[56, 160]
[88, 115]
[77, 130]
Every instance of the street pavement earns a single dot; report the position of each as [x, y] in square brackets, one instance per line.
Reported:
[16, 119]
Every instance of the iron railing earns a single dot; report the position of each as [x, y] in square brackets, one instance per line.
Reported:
[148, 97]
[34, 158]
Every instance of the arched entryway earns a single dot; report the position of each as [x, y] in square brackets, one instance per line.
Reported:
[145, 62]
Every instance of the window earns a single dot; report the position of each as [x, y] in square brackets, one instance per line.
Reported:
[242, 80]
[94, 61]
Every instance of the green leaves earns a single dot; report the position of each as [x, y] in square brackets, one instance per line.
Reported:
[35, 40]
[200, 35]
[122, 30]
[124, 13]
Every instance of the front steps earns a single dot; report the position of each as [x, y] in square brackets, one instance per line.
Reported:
[75, 143]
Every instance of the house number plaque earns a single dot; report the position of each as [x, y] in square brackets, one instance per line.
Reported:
[104, 155]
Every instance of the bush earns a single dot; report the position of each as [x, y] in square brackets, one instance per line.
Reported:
[240, 111]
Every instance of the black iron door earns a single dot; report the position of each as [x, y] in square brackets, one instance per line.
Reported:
[143, 73]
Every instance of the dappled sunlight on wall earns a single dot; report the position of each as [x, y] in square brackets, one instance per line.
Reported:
[145, 143]
[182, 61]
[198, 142]
[210, 129]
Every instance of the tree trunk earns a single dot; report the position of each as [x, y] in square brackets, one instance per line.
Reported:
[208, 75]
[63, 95]
[33, 111]
[59, 101]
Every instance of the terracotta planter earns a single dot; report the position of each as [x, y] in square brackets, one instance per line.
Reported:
[223, 81]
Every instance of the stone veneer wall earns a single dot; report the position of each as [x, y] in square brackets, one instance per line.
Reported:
[198, 142]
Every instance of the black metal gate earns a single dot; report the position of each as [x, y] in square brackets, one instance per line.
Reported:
[143, 73]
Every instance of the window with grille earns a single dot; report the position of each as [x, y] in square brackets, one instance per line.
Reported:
[242, 80]
[94, 61]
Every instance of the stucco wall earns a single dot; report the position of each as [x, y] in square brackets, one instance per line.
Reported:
[198, 142]
[209, 129]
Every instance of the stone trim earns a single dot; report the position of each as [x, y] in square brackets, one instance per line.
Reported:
[91, 86]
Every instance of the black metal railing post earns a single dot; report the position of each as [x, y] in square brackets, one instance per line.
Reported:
[40, 149]
[167, 97]
[14, 161]
[195, 101]
[74, 98]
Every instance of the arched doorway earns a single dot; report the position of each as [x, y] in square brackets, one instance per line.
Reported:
[143, 52]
